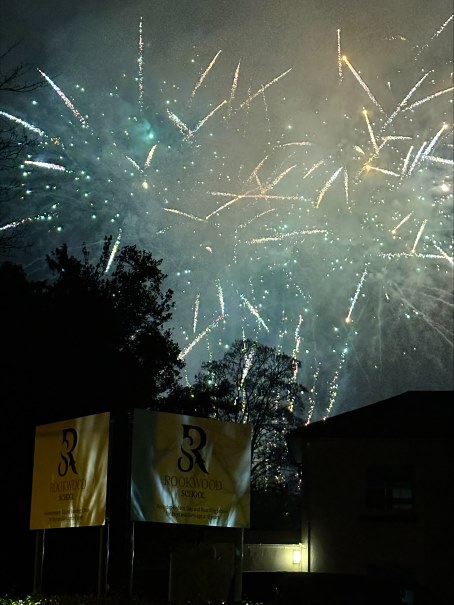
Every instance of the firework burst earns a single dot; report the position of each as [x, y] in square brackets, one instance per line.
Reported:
[335, 245]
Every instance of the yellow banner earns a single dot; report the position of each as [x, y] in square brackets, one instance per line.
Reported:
[190, 470]
[70, 473]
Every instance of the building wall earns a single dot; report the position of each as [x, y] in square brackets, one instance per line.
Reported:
[346, 535]
[275, 557]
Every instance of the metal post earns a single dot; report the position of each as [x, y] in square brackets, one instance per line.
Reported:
[131, 524]
[131, 558]
[308, 507]
[39, 562]
[237, 591]
[104, 535]
[103, 562]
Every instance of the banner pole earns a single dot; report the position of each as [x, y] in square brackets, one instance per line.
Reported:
[237, 595]
[103, 561]
[131, 523]
[131, 562]
[104, 536]
[39, 562]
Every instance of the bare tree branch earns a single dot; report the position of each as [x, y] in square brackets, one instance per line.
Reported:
[15, 141]
[14, 79]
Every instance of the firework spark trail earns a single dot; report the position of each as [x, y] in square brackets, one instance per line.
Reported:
[196, 313]
[296, 348]
[406, 162]
[199, 337]
[246, 103]
[186, 214]
[263, 88]
[404, 100]
[428, 98]
[370, 159]
[226, 205]
[262, 196]
[418, 235]
[371, 132]
[280, 238]
[396, 137]
[438, 160]
[265, 105]
[326, 186]
[433, 142]
[438, 295]
[348, 319]
[179, 124]
[339, 56]
[283, 221]
[416, 158]
[254, 174]
[140, 63]
[296, 143]
[446, 337]
[313, 395]
[334, 385]
[23, 123]
[450, 259]
[67, 102]
[15, 224]
[346, 189]
[312, 403]
[254, 312]
[435, 35]
[114, 251]
[47, 165]
[247, 366]
[382, 170]
[314, 167]
[207, 117]
[242, 226]
[27, 219]
[379, 148]
[279, 178]
[150, 156]
[390, 255]
[220, 297]
[439, 301]
[234, 84]
[245, 196]
[362, 83]
[403, 221]
[205, 73]
[134, 163]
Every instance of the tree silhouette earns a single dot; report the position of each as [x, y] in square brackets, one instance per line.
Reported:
[91, 339]
[255, 384]
[15, 141]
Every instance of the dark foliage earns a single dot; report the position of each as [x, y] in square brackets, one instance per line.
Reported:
[255, 384]
[15, 142]
[89, 340]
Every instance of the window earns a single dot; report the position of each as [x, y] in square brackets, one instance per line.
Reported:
[389, 488]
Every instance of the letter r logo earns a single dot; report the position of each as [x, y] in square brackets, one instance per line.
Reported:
[68, 446]
[192, 453]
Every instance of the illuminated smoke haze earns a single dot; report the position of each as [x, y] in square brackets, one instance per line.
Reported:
[291, 164]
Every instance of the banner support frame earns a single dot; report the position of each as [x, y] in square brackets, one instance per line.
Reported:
[40, 541]
[131, 523]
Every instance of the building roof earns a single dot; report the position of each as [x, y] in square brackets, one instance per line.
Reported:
[410, 414]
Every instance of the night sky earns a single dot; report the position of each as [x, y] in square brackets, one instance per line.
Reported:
[290, 161]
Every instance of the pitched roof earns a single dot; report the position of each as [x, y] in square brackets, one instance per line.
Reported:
[410, 414]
